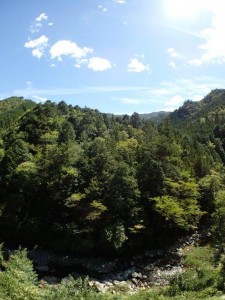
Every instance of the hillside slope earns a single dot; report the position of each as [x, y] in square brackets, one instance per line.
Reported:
[193, 110]
[104, 184]
[12, 108]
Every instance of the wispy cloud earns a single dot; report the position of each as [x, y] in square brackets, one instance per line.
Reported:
[189, 87]
[60, 91]
[172, 93]
[37, 24]
[183, 30]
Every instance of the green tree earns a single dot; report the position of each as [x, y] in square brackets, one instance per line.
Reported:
[179, 207]
[66, 133]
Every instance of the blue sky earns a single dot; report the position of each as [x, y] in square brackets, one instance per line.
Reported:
[117, 56]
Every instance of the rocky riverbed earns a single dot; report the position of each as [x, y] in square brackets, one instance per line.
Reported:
[151, 268]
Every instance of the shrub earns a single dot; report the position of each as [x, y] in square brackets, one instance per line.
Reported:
[19, 281]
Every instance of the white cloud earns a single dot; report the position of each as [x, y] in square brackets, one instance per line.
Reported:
[213, 47]
[120, 1]
[175, 100]
[42, 40]
[99, 64]
[173, 53]
[37, 53]
[197, 97]
[40, 99]
[137, 66]
[68, 48]
[38, 46]
[28, 82]
[42, 17]
[130, 101]
[172, 64]
[53, 65]
[50, 24]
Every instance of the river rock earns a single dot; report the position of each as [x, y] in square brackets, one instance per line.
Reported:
[100, 287]
[136, 275]
[100, 266]
[135, 281]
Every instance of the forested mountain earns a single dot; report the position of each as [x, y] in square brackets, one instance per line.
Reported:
[192, 110]
[81, 181]
[77, 181]
[11, 109]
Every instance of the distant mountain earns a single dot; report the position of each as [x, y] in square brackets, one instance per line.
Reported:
[12, 108]
[155, 116]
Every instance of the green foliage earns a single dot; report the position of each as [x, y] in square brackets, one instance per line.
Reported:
[218, 218]
[66, 133]
[13, 108]
[109, 184]
[200, 276]
[97, 209]
[181, 205]
[70, 289]
[116, 235]
[19, 280]
[104, 184]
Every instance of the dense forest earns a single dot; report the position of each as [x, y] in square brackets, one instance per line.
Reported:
[83, 182]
